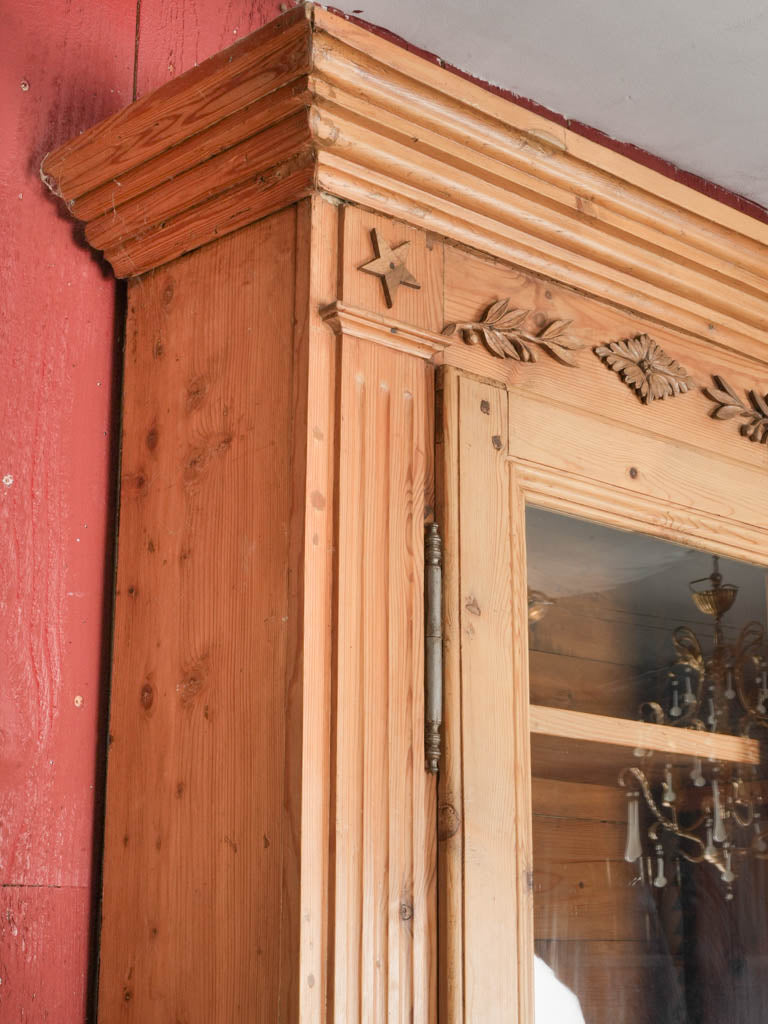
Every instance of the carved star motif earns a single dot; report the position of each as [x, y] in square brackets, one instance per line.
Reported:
[390, 266]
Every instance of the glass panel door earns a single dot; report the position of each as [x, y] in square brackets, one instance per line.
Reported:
[648, 711]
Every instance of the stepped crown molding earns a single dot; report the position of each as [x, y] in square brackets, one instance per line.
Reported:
[314, 103]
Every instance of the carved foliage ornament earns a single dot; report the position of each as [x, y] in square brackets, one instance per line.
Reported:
[643, 365]
[730, 406]
[502, 332]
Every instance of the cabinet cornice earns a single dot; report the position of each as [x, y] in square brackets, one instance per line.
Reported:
[312, 103]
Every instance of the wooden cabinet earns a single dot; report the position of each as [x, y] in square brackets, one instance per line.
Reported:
[364, 294]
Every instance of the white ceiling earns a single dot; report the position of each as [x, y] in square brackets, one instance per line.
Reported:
[686, 80]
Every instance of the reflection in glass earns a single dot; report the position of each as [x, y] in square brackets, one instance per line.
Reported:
[650, 881]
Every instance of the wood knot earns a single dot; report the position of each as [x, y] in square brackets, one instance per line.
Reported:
[135, 484]
[472, 606]
[193, 681]
[189, 687]
[200, 458]
[147, 696]
[197, 389]
[406, 911]
[448, 821]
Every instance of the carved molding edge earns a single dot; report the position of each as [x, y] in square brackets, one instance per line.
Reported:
[730, 406]
[644, 366]
[361, 323]
[502, 332]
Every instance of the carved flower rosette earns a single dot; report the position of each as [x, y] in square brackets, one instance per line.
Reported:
[644, 366]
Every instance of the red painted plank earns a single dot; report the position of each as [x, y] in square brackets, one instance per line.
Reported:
[174, 35]
[66, 64]
[43, 959]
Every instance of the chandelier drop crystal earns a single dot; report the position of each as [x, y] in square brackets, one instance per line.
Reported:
[708, 811]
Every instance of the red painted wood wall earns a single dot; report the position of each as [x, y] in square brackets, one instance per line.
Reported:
[66, 65]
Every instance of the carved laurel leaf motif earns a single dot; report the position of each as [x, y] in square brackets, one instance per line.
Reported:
[502, 332]
[730, 406]
[644, 366]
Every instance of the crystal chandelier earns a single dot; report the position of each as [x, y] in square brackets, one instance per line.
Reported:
[711, 810]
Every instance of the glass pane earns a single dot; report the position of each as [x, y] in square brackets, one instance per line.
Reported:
[615, 623]
[648, 676]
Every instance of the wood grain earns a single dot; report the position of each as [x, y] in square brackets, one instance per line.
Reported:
[191, 103]
[450, 864]
[575, 799]
[619, 456]
[474, 280]
[318, 257]
[238, 164]
[258, 196]
[582, 684]
[580, 725]
[252, 119]
[415, 143]
[424, 260]
[200, 856]
[620, 507]
[383, 801]
[483, 778]
[553, 140]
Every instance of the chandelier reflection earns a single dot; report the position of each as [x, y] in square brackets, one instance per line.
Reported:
[706, 811]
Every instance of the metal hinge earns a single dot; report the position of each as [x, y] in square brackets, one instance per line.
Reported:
[433, 647]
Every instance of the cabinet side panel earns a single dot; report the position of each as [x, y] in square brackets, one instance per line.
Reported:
[201, 830]
[383, 800]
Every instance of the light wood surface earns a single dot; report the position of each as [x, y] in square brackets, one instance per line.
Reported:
[483, 823]
[450, 849]
[424, 259]
[619, 456]
[318, 232]
[580, 725]
[200, 858]
[382, 800]
[383, 330]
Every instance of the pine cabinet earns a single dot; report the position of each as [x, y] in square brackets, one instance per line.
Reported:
[364, 297]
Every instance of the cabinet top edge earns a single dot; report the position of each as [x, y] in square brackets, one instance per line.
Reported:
[62, 169]
[312, 102]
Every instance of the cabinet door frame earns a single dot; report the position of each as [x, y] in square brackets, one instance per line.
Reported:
[493, 459]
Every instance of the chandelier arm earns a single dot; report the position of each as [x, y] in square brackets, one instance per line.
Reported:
[688, 649]
[737, 803]
[670, 824]
[749, 639]
[654, 708]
